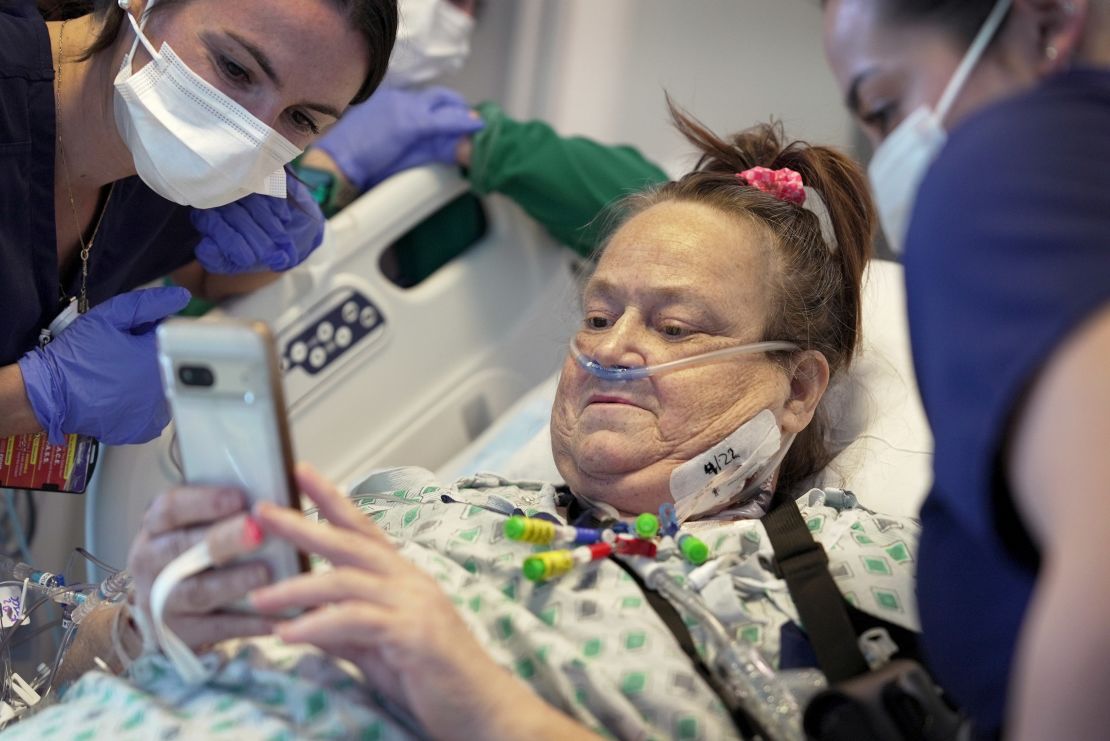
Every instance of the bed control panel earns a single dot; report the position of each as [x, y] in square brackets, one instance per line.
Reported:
[332, 328]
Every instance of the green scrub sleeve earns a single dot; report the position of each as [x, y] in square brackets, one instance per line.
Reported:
[564, 183]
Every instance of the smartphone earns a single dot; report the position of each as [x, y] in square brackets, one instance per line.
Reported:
[223, 384]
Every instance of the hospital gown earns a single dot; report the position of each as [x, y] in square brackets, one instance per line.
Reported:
[589, 643]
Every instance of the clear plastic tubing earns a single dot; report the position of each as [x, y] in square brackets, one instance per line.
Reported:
[765, 697]
[633, 373]
[112, 589]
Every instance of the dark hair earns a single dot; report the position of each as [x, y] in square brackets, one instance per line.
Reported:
[960, 18]
[376, 19]
[816, 285]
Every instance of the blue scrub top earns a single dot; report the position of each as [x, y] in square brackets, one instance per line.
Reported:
[1008, 253]
[142, 236]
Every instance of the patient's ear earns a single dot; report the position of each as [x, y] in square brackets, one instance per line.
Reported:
[808, 382]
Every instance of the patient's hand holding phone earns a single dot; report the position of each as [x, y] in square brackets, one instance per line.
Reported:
[197, 608]
[223, 385]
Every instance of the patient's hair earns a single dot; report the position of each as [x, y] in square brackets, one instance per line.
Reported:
[817, 285]
[375, 19]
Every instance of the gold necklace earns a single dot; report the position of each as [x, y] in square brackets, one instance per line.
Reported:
[86, 247]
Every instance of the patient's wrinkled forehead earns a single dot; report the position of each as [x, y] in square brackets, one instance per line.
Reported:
[682, 250]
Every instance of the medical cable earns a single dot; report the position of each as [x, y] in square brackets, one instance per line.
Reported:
[38, 587]
[544, 532]
[24, 612]
[750, 678]
[37, 632]
[52, 680]
[76, 601]
[550, 564]
[10, 698]
[633, 373]
[93, 559]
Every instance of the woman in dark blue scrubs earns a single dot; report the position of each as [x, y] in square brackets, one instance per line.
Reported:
[1008, 285]
[133, 143]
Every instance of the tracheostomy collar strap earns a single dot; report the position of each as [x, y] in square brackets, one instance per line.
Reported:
[633, 373]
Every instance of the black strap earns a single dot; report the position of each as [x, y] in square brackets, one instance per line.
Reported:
[805, 567]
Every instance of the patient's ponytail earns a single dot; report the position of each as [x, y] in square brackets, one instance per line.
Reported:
[820, 248]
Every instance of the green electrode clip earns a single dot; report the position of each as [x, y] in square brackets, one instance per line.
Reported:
[647, 526]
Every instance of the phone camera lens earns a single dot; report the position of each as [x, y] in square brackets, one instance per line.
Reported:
[196, 375]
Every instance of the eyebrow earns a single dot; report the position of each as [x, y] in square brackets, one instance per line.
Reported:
[259, 56]
[852, 99]
[268, 68]
[324, 108]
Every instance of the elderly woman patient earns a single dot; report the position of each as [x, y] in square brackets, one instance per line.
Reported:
[425, 624]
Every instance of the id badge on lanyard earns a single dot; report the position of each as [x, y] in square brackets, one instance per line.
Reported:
[28, 461]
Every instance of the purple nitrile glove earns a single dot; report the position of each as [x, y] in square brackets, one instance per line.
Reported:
[398, 129]
[259, 232]
[99, 376]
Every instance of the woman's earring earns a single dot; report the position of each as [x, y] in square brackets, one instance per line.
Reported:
[1050, 53]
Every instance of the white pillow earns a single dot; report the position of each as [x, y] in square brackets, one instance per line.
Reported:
[517, 445]
[875, 417]
[874, 411]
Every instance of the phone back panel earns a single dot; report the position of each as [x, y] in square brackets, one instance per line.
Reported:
[230, 427]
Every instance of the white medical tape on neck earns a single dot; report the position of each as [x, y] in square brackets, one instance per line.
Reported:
[191, 562]
[732, 471]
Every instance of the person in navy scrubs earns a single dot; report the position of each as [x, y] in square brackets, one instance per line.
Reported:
[996, 176]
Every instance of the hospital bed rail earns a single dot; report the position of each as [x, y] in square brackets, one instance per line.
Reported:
[377, 374]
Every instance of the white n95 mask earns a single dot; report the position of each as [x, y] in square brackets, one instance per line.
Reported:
[433, 40]
[191, 143]
[900, 162]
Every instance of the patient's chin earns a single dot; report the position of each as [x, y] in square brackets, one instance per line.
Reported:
[605, 454]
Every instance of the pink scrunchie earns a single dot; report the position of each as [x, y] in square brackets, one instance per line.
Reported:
[784, 184]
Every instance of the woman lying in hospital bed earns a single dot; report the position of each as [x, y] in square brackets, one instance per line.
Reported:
[437, 629]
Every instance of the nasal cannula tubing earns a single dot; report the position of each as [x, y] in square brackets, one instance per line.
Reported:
[626, 373]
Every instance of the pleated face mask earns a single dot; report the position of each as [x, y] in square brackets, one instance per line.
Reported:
[191, 143]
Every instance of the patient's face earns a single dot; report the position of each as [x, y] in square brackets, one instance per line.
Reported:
[677, 280]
